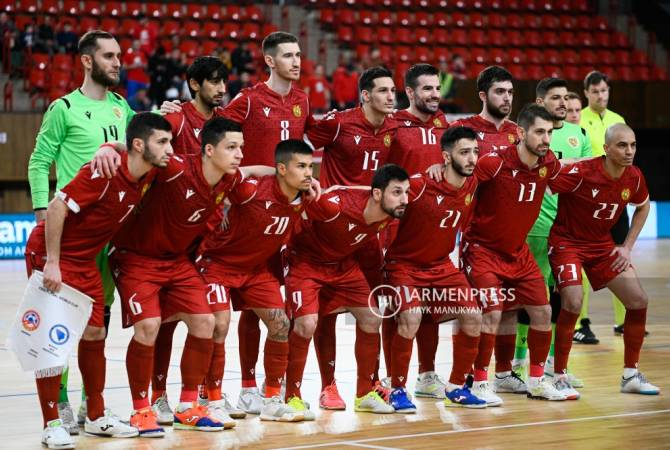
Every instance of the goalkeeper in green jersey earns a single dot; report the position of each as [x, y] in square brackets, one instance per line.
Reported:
[73, 128]
[568, 142]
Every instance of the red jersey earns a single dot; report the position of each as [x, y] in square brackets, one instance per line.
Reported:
[175, 211]
[267, 118]
[261, 219]
[490, 138]
[186, 127]
[416, 145]
[591, 201]
[509, 199]
[427, 231]
[98, 207]
[340, 229]
[353, 148]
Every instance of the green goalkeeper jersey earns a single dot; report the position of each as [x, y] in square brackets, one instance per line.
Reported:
[72, 129]
[569, 141]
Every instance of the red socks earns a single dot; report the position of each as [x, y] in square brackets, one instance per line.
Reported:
[633, 335]
[325, 346]
[249, 335]
[139, 365]
[297, 358]
[538, 346]
[92, 364]
[162, 353]
[275, 361]
[48, 390]
[402, 353]
[215, 373]
[365, 350]
[465, 352]
[565, 329]
[483, 359]
[504, 350]
[195, 361]
[427, 339]
[389, 326]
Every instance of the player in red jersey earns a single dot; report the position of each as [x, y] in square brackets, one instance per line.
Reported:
[588, 206]
[206, 82]
[82, 218]
[423, 275]
[322, 255]
[156, 280]
[356, 142]
[495, 255]
[415, 148]
[263, 214]
[494, 130]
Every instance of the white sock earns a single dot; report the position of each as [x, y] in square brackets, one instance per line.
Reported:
[184, 406]
[503, 374]
[452, 387]
[629, 372]
[533, 381]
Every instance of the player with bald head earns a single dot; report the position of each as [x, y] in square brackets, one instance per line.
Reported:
[591, 200]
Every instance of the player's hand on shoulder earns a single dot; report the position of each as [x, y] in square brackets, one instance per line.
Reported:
[107, 159]
[170, 107]
[622, 261]
[51, 276]
[436, 172]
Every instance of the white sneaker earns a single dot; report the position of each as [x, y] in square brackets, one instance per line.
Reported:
[374, 403]
[282, 390]
[511, 383]
[520, 367]
[638, 384]
[544, 390]
[217, 409]
[301, 406]
[67, 418]
[109, 425]
[164, 414]
[276, 410]
[562, 385]
[482, 389]
[234, 412]
[430, 385]
[82, 413]
[56, 436]
[250, 401]
[572, 378]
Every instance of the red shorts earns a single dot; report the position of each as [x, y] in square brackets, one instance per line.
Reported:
[371, 260]
[86, 279]
[440, 290]
[567, 261]
[504, 283]
[344, 283]
[152, 287]
[253, 289]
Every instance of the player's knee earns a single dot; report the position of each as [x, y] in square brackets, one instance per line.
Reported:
[470, 323]
[540, 316]
[200, 325]
[221, 329]
[490, 322]
[305, 326]
[370, 323]
[146, 330]
[638, 300]
[94, 333]
[408, 325]
[278, 326]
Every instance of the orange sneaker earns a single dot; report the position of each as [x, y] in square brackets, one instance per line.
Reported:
[197, 418]
[146, 423]
[383, 390]
[330, 398]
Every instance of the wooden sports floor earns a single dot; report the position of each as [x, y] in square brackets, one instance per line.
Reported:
[602, 418]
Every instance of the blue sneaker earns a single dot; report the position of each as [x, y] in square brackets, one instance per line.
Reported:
[400, 402]
[463, 398]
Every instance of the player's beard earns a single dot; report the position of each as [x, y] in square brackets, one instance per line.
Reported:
[422, 106]
[152, 159]
[396, 213]
[460, 169]
[99, 76]
[495, 111]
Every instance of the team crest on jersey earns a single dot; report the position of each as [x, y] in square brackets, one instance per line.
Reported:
[543, 172]
[387, 140]
[625, 194]
[468, 199]
[297, 110]
[117, 111]
[381, 227]
[511, 138]
[219, 198]
[437, 122]
[573, 141]
[145, 188]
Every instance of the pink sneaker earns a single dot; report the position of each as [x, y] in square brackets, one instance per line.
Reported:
[330, 398]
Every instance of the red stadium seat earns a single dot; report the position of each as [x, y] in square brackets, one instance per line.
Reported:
[441, 53]
[510, 5]
[254, 13]
[581, 6]
[361, 50]
[475, 69]
[61, 79]
[587, 57]
[477, 20]
[624, 73]
[568, 22]
[423, 54]
[424, 19]
[441, 19]
[62, 61]
[113, 9]
[497, 20]
[235, 12]
[129, 27]
[459, 19]
[567, 38]
[569, 57]
[600, 23]
[194, 11]
[518, 72]
[403, 53]
[403, 36]
[189, 47]
[8, 6]
[404, 18]
[584, 39]
[423, 35]
[620, 40]
[571, 73]
[399, 75]
[459, 36]
[639, 58]
[133, 9]
[154, 10]
[210, 47]
[110, 25]
[498, 56]
[385, 35]
[386, 53]
[211, 30]
[550, 22]
[27, 6]
[552, 71]
[174, 10]
[533, 38]
[251, 30]
[530, 5]
[40, 61]
[327, 16]
[659, 74]
[497, 38]
[213, 11]
[514, 21]
[550, 39]
[602, 39]
[545, 5]
[533, 56]
[266, 29]
[516, 56]
[552, 56]
[345, 17]
[385, 18]
[37, 80]
[605, 57]
[584, 22]
[479, 55]
[534, 72]
[50, 7]
[88, 24]
[93, 7]
[191, 29]
[71, 7]
[514, 38]
[622, 57]
[562, 5]
[170, 28]
[345, 35]
[367, 17]
[532, 21]
[479, 38]
[440, 36]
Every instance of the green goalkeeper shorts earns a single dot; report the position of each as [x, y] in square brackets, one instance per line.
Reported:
[539, 248]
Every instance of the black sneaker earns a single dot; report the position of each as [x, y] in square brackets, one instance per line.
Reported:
[618, 330]
[584, 335]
